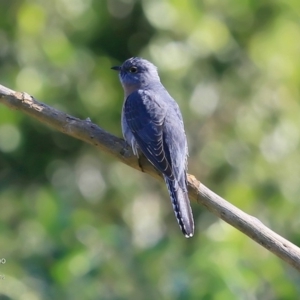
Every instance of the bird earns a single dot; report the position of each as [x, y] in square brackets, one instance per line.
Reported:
[152, 123]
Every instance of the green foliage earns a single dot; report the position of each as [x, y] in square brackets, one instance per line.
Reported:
[76, 224]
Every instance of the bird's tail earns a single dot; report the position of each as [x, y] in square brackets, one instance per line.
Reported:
[181, 206]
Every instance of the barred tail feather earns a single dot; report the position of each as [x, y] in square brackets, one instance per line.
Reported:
[181, 206]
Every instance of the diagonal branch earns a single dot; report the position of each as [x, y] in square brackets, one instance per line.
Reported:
[90, 133]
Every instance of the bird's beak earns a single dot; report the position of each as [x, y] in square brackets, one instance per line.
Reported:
[116, 68]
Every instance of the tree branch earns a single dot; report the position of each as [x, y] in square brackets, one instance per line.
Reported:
[90, 133]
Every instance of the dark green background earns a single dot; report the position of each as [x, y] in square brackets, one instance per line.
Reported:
[76, 224]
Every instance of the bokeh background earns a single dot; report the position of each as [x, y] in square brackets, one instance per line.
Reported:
[75, 223]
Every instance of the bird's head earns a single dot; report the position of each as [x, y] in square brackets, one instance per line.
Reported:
[137, 72]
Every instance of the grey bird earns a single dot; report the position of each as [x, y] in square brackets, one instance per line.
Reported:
[152, 122]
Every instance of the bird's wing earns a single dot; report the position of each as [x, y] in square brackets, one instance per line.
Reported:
[175, 139]
[145, 115]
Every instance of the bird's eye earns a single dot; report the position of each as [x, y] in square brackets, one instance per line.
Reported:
[133, 70]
